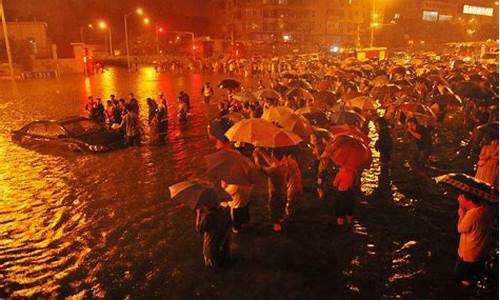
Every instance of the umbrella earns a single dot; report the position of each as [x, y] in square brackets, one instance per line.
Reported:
[282, 89]
[439, 80]
[300, 83]
[469, 185]
[299, 93]
[308, 110]
[327, 97]
[290, 76]
[380, 80]
[421, 112]
[323, 133]
[489, 129]
[471, 90]
[381, 91]
[310, 77]
[448, 99]
[324, 85]
[261, 133]
[275, 113]
[229, 83]
[363, 102]
[403, 83]
[245, 97]
[318, 118]
[296, 124]
[231, 166]
[267, 94]
[194, 193]
[234, 117]
[348, 151]
[347, 117]
[350, 130]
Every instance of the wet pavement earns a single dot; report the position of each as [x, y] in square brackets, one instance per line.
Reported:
[100, 226]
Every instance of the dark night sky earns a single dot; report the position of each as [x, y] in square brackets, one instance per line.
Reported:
[64, 17]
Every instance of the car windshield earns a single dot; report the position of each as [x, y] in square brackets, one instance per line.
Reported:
[82, 127]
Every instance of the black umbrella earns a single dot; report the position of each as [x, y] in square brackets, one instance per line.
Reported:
[347, 117]
[267, 94]
[448, 99]
[468, 185]
[229, 83]
[317, 118]
[299, 93]
[489, 130]
[300, 83]
[471, 90]
[282, 89]
[327, 97]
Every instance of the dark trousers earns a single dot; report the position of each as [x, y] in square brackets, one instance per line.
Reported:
[133, 140]
[468, 271]
[344, 203]
[240, 216]
[276, 205]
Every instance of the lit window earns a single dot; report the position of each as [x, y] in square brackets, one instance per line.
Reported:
[430, 16]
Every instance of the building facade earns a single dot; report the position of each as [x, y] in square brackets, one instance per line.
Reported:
[435, 21]
[34, 33]
[305, 22]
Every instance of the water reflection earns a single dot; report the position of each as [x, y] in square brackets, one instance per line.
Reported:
[62, 215]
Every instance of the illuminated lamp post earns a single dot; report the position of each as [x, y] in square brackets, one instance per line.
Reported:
[140, 13]
[103, 26]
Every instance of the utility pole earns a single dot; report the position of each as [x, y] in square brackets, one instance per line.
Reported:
[110, 42]
[126, 41]
[157, 29]
[6, 36]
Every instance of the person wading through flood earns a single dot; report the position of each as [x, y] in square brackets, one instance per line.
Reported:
[182, 107]
[239, 206]
[422, 136]
[214, 223]
[345, 185]
[293, 185]
[153, 120]
[277, 174]
[162, 117]
[207, 92]
[132, 126]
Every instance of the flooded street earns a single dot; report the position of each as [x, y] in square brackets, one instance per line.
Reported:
[100, 226]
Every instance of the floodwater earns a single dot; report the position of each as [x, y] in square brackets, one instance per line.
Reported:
[92, 226]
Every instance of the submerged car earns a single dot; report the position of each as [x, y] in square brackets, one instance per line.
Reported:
[72, 133]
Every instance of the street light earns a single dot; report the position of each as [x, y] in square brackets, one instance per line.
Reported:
[139, 12]
[146, 21]
[103, 26]
[158, 30]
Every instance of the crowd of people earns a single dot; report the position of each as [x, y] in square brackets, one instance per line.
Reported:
[329, 96]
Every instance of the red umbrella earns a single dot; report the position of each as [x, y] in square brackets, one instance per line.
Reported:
[324, 85]
[348, 151]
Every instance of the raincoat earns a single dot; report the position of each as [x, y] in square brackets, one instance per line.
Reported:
[487, 166]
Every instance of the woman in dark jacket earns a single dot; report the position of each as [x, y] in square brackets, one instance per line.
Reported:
[214, 223]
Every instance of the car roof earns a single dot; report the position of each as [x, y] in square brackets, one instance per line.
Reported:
[71, 119]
